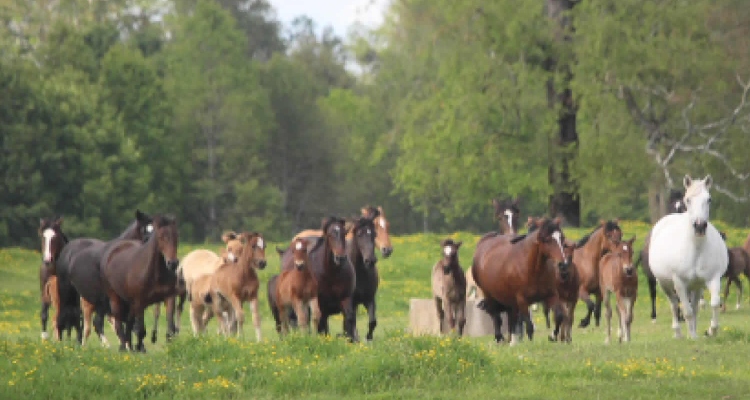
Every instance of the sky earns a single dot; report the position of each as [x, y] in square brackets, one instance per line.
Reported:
[340, 14]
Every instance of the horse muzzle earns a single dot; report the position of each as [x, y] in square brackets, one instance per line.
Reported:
[262, 264]
[173, 264]
[700, 227]
[629, 271]
[564, 270]
[299, 265]
[386, 251]
[370, 263]
[339, 259]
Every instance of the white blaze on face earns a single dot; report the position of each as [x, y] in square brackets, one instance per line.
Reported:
[676, 205]
[448, 250]
[48, 234]
[509, 215]
[260, 243]
[382, 222]
[369, 232]
[149, 228]
[625, 247]
[299, 246]
[557, 235]
[231, 257]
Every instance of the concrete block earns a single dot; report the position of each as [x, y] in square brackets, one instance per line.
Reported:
[423, 319]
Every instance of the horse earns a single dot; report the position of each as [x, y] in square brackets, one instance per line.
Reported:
[334, 274]
[617, 274]
[53, 241]
[589, 250]
[204, 262]
[449, 288]
[686, 254]
[739, 263]
[507, 213]
[675, 205]
[516, 272]
[296, 288]
[138, 274]
[232, 284]
[382, 226]
[78, 277]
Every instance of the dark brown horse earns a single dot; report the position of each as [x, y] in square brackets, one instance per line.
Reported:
[517, 272]
[675, 205]
[360, 251]
[138, 274]
[78, 275]
[589, 250]
[53, 241]
[335, 276]
[739, 263]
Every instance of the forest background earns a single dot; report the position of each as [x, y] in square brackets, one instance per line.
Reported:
[215, 112]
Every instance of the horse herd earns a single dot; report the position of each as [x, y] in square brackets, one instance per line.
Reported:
[333, 270]
[323, 272]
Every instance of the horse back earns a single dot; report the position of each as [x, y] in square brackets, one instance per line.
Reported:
[198, 263]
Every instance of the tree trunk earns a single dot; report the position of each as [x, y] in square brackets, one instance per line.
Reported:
[565, 201]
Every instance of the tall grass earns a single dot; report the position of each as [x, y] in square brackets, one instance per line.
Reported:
[395, 365]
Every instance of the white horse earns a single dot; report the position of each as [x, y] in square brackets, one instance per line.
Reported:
[687, 254]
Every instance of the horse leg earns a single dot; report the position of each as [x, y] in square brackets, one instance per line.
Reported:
[629, 303]
[178, 312]
[608, 316]
[373, 322]
[99, 328]
[88, 311]
[347, 307]
[140, 329]
[440, 313]
[157, 314]
[545, 311]
[714, 286]
[685, 298]
[196, 317]
[460, 315]
[652, 292]
[323, 323]
[739, 292]
[583, 295]
[256, 317]
[239, 316]
[597, 308]
[44, 315]
[513, 317]
[300, 308]
[171, 325]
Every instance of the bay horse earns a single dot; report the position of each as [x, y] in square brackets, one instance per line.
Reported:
[53, 241]
[618, 275]
[234, 283]
[674, 206]
[138, 274]
[739, 263]
[517, 272]
[449, 288]
[297, 289]
[508, 215]
[334, 274]
[589, 250]
[687, 253]
[78, 277]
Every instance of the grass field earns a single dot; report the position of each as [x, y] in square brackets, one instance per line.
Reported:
[396, 365]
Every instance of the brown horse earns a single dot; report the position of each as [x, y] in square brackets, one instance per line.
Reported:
[676, 205]
[137, 275]
[508, 215]
[739, 263]
[236, 283]
[516, 272]
[589, 250]
[449, 288]
[335, 276]
[297, 288]
[617, 275]
[78, 271]
[53, 241]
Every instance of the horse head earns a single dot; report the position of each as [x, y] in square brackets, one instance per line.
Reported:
[299, 253]
[53, 239]
[167, 239]
[676, 203]
[612, 233]
[254, 247]
[625, 251]
[551, 242]
[382, 238]
[698, 202]
[363, 232]
[508, 214]
[334, 232]
[144, 225]
[450, 254]
[233, 248]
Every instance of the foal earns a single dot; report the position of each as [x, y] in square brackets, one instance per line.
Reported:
[449, 288]
[617, 274]
[297, 288]
[739, 263]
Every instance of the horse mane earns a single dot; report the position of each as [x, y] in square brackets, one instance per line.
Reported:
[519, 238]
[696, 187]
[582, 241]
[609, 226]
[370, 211]
[363, 222]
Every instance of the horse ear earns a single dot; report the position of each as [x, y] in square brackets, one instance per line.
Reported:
[459, 243]
[708, 180]
[516, 201]
[687, 181]
[496, 204]
[557, 221]
[632, 240]
[42, 222]
[324, 222]
[280, 251]
[141, 217]
[58, 222]
[227, 236]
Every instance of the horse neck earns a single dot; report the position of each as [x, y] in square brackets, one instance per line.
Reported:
[594, 246]
[453, 266]
[245, 265]
[327, 254]
[155, 264]
[353, 252]
[532, 248]
[130, 233]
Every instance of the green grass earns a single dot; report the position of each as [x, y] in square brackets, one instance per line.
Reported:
[395, 365]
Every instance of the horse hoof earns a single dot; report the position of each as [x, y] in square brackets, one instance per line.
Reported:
[653, 320]
[552, 338]
[45, 335]
[584, 324]
[153, 337]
